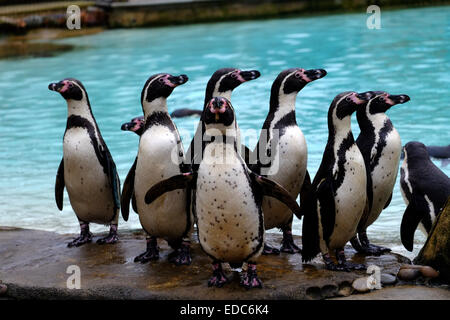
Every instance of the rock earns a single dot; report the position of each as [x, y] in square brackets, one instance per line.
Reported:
[361, 285]
[388, 279]
[345, 289]
[3, 289]
[429, 272]
[436, 251]
[408, 274]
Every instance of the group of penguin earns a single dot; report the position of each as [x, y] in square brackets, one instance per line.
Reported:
[234, 194]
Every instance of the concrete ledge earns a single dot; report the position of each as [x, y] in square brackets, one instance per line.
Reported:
[34, 265]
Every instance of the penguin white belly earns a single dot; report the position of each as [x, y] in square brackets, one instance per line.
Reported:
[384, 175]
[288, 169]
[88, 187]
[350, 199]
[227, 216]
[157, 160]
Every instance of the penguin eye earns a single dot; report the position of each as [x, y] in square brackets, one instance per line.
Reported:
[381, 99]
[234, 75]
[297, 75]
[161, 80]
[70, 85]
[348, 99]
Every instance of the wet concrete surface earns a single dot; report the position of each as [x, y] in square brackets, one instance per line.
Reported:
[33, 264]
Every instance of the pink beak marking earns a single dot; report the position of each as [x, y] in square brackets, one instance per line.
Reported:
[167, 82]
[66, 86]
[355, 99]
[239, 77]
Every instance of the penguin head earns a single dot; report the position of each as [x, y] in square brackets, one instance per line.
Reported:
[69, 88]
[346, 103]
[383, 101]
[219, 113]
[227, 79]
[295, 79]
[415, 150]
[161, 85]
[136, 125]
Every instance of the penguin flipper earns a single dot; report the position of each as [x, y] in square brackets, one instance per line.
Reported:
[272, 189]
[59, 185]
[180, 181]
[388, 202]
[410, 221]
[325, 197]
[305, 191]
[128, 192]
[113, 177]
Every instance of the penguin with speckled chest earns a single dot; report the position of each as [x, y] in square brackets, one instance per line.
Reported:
[87, 170]
[222, 83]
[281, 152]
[425, 190]
[227, 197]
[381, 147]
[160, 155]
[338, 196]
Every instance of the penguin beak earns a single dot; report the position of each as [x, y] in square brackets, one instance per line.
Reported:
[397, 99]
[314, 74]
[178, 80]
[127, 126]
[250, 75]
[55, 86]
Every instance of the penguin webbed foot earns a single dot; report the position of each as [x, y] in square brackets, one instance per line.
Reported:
[85, 237]
[151, 254]
[267, 250]
[288, 245]
[344, 265]
[368, 248]
[181, 255]
[111, 238]
[82, 239]
[249, 279]
[218, 279]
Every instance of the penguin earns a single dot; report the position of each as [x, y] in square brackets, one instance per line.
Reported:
[222, 83]
[87, 170]
[160, 155]
[136, 125]
[281, 152]
[338, 196]
[381, 147]
[228, 198]
[185, 112]
[425, 190]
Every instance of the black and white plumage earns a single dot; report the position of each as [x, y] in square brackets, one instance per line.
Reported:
[222, 83]
[338, 197]
[160, 155]
[380, 146]
[87, 170]
[227, 197]
[425, 190]
[281, 152]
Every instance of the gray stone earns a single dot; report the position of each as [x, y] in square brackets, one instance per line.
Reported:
[388, 279]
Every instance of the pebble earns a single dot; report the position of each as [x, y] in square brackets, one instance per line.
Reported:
[388, 279]
[416, 270]
[408, 274]
[360, 285]
[3, 289]
[429, 272]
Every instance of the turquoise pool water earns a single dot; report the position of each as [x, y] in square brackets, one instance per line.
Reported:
[409, 54]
